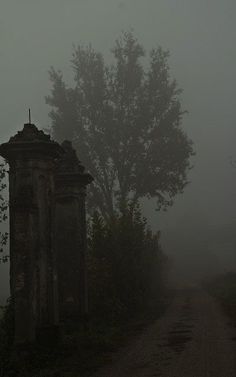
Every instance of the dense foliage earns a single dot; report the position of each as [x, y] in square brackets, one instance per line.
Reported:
[3, 211]
[6, 336]
[125, 120]
[126, 271]
[126, 266]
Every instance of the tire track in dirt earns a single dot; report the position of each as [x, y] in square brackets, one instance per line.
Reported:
[193, 339]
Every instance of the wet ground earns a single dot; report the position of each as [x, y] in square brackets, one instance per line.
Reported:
[193, 339]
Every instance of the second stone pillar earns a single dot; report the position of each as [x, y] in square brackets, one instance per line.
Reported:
[70, 235]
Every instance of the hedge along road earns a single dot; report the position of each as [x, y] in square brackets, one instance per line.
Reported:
[193, 339]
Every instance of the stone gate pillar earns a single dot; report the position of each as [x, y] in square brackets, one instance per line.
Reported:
[70, 235]
[31, 154]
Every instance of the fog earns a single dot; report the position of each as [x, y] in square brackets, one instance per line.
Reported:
[198, 231]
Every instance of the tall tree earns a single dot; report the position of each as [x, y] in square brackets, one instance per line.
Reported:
[125, 121]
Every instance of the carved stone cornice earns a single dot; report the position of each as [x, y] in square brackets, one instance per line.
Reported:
[69, 170]
[30, 143]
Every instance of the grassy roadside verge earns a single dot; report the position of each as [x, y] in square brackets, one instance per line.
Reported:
[84, 351]
[223, 288]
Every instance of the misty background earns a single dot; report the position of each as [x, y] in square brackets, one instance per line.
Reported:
[198, 232]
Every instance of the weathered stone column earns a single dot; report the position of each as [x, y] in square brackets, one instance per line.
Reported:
[70, 235]
[31, 155]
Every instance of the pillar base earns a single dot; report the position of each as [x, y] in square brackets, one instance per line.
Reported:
[48, 336]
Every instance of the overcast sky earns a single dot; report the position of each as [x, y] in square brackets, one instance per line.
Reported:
[200, 35]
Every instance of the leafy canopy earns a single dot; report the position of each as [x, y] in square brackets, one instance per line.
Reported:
[125, 120]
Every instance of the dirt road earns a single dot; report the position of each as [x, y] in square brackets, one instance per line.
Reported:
[194, 339]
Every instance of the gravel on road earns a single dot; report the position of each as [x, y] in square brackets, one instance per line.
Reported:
[193, 339]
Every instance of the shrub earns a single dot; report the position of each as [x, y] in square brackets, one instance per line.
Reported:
[6, 336]
[125, 265]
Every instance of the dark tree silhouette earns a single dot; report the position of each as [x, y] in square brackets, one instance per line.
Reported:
[125, 121]
[3, 212]
[126, 266]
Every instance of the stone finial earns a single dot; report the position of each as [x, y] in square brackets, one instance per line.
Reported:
[30, 133]
[30, 142]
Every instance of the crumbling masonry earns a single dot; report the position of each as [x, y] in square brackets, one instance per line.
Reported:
[47, 187]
